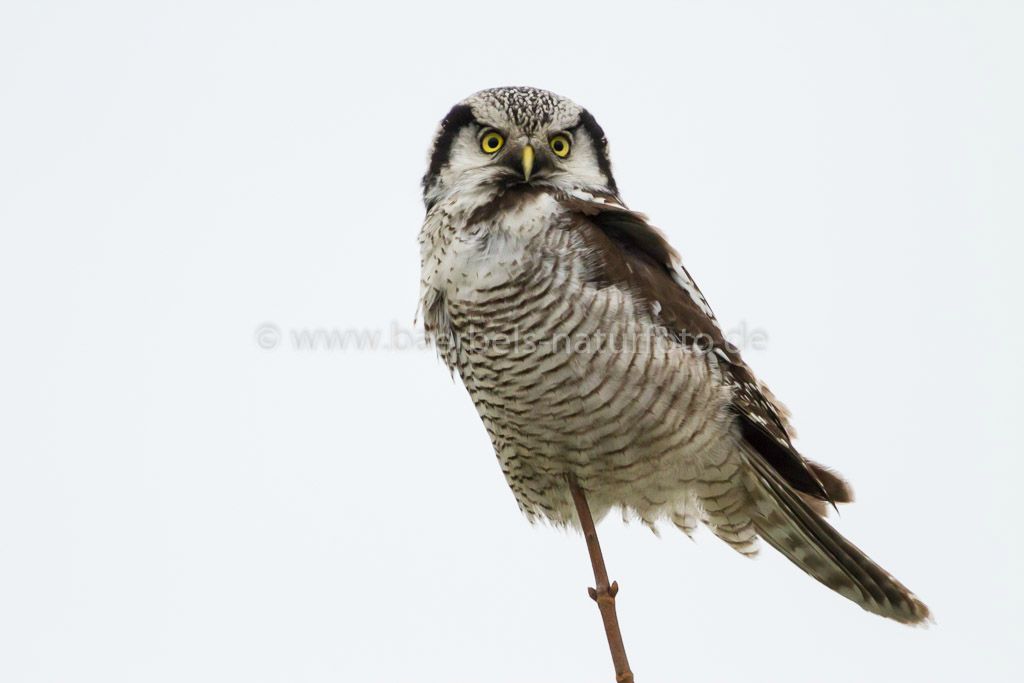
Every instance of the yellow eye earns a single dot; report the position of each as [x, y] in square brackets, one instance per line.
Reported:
[560, 146]
[491, 142]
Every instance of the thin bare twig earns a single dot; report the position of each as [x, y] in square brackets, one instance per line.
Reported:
[604, 594]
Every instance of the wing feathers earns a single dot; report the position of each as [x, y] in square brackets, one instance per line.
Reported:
[786, 490]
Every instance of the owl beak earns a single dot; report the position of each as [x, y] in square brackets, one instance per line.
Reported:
[527, 159]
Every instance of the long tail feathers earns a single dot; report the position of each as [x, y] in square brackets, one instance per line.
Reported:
[787, 523]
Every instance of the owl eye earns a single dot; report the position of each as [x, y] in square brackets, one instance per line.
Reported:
[491, 142]
[560, 146]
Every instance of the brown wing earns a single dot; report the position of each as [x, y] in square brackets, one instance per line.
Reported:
[631, 254]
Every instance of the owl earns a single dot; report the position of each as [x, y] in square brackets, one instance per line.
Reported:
[592, 357]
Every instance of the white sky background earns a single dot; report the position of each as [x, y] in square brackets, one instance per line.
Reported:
[179, 504]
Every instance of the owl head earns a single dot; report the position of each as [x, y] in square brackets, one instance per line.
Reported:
[502, 137]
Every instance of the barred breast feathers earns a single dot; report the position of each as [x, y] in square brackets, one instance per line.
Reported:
[480, 240]
[474, 241]
[745, 482]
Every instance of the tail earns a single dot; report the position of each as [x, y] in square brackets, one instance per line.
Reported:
[789, 525]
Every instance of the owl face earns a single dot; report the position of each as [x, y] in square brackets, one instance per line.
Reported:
[503, 137]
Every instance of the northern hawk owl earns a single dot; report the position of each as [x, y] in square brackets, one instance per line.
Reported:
[589, 352]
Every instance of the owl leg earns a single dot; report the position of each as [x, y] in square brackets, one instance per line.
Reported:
[604, 594]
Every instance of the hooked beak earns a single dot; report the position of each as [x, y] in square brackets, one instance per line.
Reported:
[527, 159]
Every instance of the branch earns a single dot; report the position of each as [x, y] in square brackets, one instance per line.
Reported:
[604, 594]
